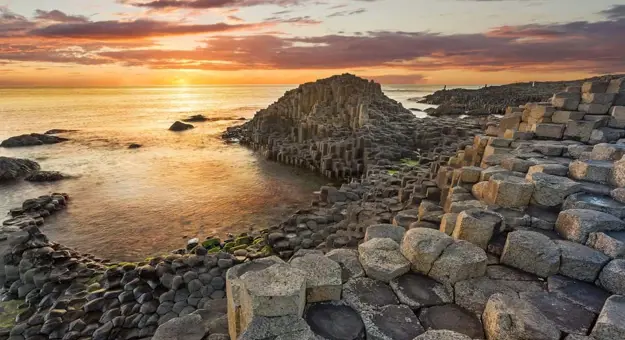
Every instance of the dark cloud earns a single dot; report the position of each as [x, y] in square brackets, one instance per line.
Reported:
[347, 13]
[138, 29]
[204, 4]
[616, 12]
[12, 23]
[58, 16]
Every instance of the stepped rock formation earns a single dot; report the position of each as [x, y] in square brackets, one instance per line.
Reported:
[12, 168]
[335, 126]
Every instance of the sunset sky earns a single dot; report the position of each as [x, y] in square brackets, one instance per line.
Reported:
[190, 42]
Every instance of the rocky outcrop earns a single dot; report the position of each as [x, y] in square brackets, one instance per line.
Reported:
[495, 99]
[45, 176]
[32, 139]
[13, 168]
[180, 126]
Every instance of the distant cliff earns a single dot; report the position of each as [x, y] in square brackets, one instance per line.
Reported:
[495, 99]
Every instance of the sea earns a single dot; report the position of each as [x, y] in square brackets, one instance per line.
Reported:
[128, 204]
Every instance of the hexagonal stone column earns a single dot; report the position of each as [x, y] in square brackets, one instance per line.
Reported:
[550, 191]
[476, 226]
[532, 252]
[577, 224]
[508, 191]
[508, 317]
[233, 289]
[396, 233]
[612, 276]
[382, 260]
[462, 260]
[580, 262]
[323, 277]
[422, 246]
[610, 323]
[273, 292]
[442, 335]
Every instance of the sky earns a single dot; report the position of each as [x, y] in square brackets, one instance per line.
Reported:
[195, 42]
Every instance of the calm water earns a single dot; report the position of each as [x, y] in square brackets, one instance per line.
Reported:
[128, 204]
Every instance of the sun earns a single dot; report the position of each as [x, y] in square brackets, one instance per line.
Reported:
[180, 82]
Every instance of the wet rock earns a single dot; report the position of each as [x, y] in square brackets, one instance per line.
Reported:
[180, 126]
[452, 317]
[32, 139]
[382, 260]
[12, 168]
[416, 291]
[44, 176]
[335, 321]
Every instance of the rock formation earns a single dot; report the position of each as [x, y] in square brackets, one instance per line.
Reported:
[180, 126]
[32, 139]
[12, 168]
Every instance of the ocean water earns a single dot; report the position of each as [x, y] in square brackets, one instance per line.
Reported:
[129, 204]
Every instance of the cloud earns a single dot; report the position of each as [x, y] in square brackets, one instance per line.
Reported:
[347, 13]
[12, 23]
[616, 12]
[137, 29]
[206, 4]
[58, 16]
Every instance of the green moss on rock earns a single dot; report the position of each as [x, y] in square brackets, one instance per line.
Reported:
[243, 240]
[211, 243]
[8, 311]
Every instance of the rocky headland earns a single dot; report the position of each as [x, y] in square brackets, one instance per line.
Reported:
[447, 229]
[495, 99]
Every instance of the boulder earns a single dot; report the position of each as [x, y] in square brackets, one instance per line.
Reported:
[577, 224]
[550, 190]
[610, 324]
[12, 168]
[508, 317]
[612, 276]
[417, 291]
[382, 260]
[476, 226]
[323, 277]
[180, 126]
[188, 327]
[580, 262]
[423, 246]
[348, 260]
[393, 232]
[461, 260]
[532, 252]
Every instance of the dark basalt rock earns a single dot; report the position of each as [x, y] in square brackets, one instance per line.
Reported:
[57, 131]
[195, 119]
[392, 322]
[45, 176]
[366, 294]
[32, 139]
[452, 317]
[334, 321]
[180, 126]
[12, 168]
[582, 293]
[568, 317]
[134, 146]
[416, 291]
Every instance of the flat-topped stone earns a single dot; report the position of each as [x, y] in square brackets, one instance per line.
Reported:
[580, 293]
[594, 202]
[442, 335]
[607, 152]
[550, 169]
[591, 171]
[451, 317]
[332, 320]
[610, 324]
[461, 260]
[422, 246]
[417, 291]
[280, 327]
[364, 294]
[508, 191]
[550, 190]
[382, 260]
[567, 316]
[396, 233]
[476, 226]
[617, 176]
[323, 277]
[509, 317]
[531, 252]
[580, 262]
[577, 224]
[348, 260]
[393, 322]
[406, 217]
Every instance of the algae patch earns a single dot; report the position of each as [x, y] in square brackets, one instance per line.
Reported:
[8, 312]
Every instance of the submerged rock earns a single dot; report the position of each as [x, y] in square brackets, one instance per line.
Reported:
[45, 176]
[180, 126]
[12, 168]
[31, 140]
